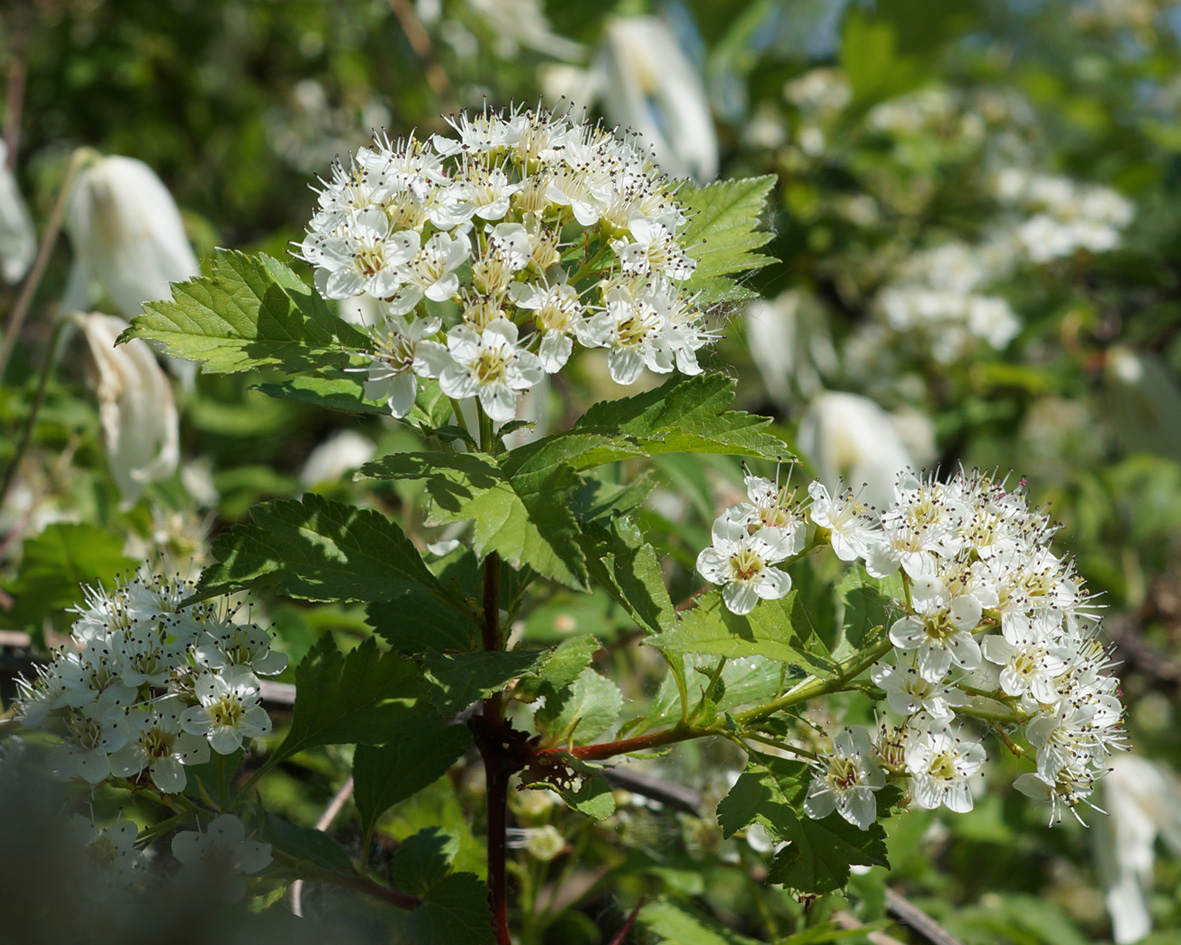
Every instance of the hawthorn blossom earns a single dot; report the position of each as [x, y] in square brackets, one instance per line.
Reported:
[220, 853]
[940, 762]
[228, 710]
[741, 562]
[940, 630]
[845, 780]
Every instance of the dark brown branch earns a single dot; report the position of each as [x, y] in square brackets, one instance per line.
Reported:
[910, 915]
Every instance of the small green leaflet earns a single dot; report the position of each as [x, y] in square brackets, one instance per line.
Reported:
[580, 712]
[723, 232]
[683, 415]
[773, 629]
[677, 926]
[820, 852]
[317, 549]
[364, 697]
[386, 774]
[628, 568]
[252, 312]
[54, 565]
[454, 911]
[524, 518]
[463, 678]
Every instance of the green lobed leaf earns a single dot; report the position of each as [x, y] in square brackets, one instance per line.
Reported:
[773, 629]
[566, 662]
[251, 312]
[676, 925]
[362, 698]
[523, 517]
[465, 677]
[385, 774]
[581, 711]
[55, 564]
[723, 227]
[819, 852]
[417, 620]
[454, 911]
[336, 390]
[306, 845]
[317, 549]
[627, 567]
[593, 798]
[751, 680]
[421, 860]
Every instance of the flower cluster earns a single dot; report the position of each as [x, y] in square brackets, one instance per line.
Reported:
[150, 686]
[992, 623]
[492, 252]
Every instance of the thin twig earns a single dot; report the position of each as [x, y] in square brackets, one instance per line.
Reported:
[420, 42]
[33, 280]
[916, 920]
[628, 923]
[334, 807]
[846, 920]
[14, 97]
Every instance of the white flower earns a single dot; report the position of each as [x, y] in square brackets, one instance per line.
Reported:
[940, 763]
[653, 88]
[1029, 663]
[93, 734]
[138, 414]
[431, 272]
[654, 249]
[220, 850]
[741, 562]
[229, 710]
[559, 314]
[773, 508]
[940, 630]
[18, 238]
[845, 780]
[396, 361]
[127, 235]
[364, 252]
[110, 860]
[487, 364]
[226, 644]
[157, 743]
[907, 692]
[851, 522]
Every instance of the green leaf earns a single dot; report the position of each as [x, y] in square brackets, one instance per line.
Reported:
[55, 564]
[317, 549]
[723, 228]
[422, 860]
[593, 797]
[422, 753]
[772, 630]
[524, 517]
[580, 712]
[358, 698]
[684, 415]
[868, 611]
[819, 852]
[306, 845]
[676, 925]
[454, 911]
[465, 677]
[566, 662]
[336, 390]
[251, 312]
[417, 620]
[627, 567]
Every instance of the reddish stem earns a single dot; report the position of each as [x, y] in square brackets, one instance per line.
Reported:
[624, 746]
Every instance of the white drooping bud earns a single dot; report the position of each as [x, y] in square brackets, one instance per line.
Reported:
[18, 239]
[128, 238]
[651, 87]
[136, 407]
[846, 435]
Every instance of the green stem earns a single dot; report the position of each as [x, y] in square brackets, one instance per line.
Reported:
[348, 881]
[775, 743]
[31, 420]
[20, 310]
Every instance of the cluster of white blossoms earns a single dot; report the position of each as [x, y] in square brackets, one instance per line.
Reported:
[150, 685]
[1065, 215]
[492, 252]
[993, 624]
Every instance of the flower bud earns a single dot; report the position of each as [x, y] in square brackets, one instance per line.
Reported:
[139, 419]
[18, 239]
